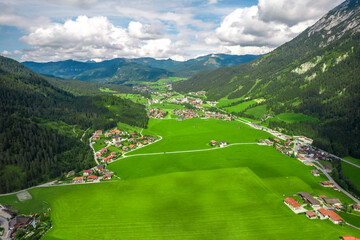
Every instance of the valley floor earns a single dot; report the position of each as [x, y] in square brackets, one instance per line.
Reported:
[234, 192]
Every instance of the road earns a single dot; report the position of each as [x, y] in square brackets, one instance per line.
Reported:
[5, 223]
[95, 158]
[41, 185]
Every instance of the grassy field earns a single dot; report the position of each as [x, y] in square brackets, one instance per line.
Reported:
[353, 160]
[197, 133]
[293, 117]
[234, 192]
[353, 173]
[137, 98]
[239, 107]
[225, 102]
[107, 90]
[257, 112]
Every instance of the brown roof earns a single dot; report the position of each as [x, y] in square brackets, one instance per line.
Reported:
[92, 177]
[356, 206]
[292, 202]
[78, 178]
[331, 200]
[309, 198]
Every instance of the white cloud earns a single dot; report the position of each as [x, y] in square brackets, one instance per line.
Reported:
[212, 2]
[145, 31]
[291, 12]
[267, 25]
[96, 37]
[76, 3]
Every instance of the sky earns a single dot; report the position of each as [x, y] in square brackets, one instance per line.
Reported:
[55, 30]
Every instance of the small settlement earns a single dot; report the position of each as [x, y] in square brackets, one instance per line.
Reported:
[320, 207]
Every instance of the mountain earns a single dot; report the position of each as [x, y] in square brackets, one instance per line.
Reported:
[121, 68]
[122, 72]
[41, 126]
[317, 74]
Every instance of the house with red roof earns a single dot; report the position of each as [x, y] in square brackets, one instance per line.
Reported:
[311, 214]
[323, 213]
[98, 132]
[125, 148]
[78, 179]
[356, 207]
[349, 238]
[292, 204]
[113, 153]
[92, 178]
[145, 142]
[104, 150]
[96, 137]
[334, 217]
[87, 172]
[131, 146]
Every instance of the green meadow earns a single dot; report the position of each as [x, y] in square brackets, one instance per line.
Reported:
[258, 111]
[235, 192]
[353, 173]
[240, 107]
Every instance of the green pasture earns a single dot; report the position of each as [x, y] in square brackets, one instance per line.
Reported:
[137, 98]
[258, 111]
[225, 102]
[240, 107]
[166, 106]
[353, 160]
[234, 192]
[351, 172]
[197, 133]
[107, 90]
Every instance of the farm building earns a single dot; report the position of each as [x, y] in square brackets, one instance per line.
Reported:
[17, 222]
[356, 207]
[291, 203]
[78, 179]
[92, 178]
[310, 199]
[311, 214]
[332, 201]
[315, 173]
[87, 172]
[327, 183]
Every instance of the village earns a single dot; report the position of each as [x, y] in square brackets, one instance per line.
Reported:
[23, 226]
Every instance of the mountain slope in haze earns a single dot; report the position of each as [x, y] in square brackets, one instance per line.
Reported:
[122, 72]
[41, 125]
[317, 74]
[123, 68]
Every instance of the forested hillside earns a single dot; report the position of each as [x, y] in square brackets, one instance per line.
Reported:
[317, 74]
[32, 150]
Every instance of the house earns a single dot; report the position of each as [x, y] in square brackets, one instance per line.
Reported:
[334, 217]
[107, 134]
[315, 173]
[349, 238]
[268, 142]
[78, 179]
[100, 167]
[327, 183]
[98, 132]
[139, 144]
[87, 172]
[113, 154]
[132, 140]
[327, 168]
[71, 173]
[118, 144]
[213, 143]
[131, 146]
[108, 175]
[332, 201]
[323, 213]
[322, 196]
[125, 148]
[311, 214]
[103, 160]
[134, 134]
[104, 150]
[98, 154]
[96, 137]
[292, 204]
[223, 144]
[17, 222]
[277, 140]
[145, 142]
[356, 207]
[310, 199]
[92, 178]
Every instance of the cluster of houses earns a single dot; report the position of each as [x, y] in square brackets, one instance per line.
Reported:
[321, 207]
[202, 93]
[186, 113]
[121, 140]
[314, 154]
[284, 148]
[29, 223]
[156, 113]
[217, 115]
[154, 101]
[94, 175]
[304, 139]
[196, 102]
[214, 143]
